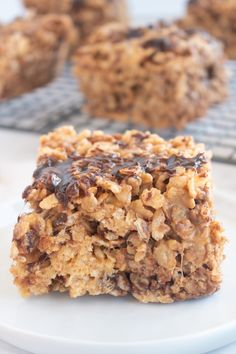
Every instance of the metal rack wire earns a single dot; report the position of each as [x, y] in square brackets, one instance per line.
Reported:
[60, 103]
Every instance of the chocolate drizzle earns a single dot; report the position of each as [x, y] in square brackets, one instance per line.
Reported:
[68, 178]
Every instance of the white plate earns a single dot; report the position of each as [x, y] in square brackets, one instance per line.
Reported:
[89, 325]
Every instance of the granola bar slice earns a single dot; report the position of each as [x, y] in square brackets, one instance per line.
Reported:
[32, 52]
[215, 16]
[158, 76]
[87, 15]
[119, 214]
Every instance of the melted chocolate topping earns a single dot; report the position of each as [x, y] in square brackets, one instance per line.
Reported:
[67, 178]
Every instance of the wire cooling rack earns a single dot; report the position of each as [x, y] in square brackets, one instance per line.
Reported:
[60, 103]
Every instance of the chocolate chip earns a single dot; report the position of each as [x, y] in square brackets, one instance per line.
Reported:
[26, 192]
[134, 33]
[140, 136]
[211, 72]
[207, 266]
[59, 220]
[161, 44]
[191, 31]
[43, 258]
[31, 240]
[76, 4]
[192, 2]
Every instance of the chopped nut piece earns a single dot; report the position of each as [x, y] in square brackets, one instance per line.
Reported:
[159, 228]
[165, 256]
[153, 198]
[49, 202]
[140, 210]
[143, 229]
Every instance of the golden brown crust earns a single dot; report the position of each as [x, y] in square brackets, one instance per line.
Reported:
[35, 50]
[143, 225]
[215, 16]
[159, 76]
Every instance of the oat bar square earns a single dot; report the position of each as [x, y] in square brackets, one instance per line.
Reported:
[119, 214]
[32, 52]
[87, 15]
[159, 76]
[215, 16]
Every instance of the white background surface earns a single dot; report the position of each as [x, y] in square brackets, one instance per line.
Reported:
[18, 169]
[139, 8]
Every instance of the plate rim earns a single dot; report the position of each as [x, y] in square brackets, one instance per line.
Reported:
[209, 340]
[196, 335]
